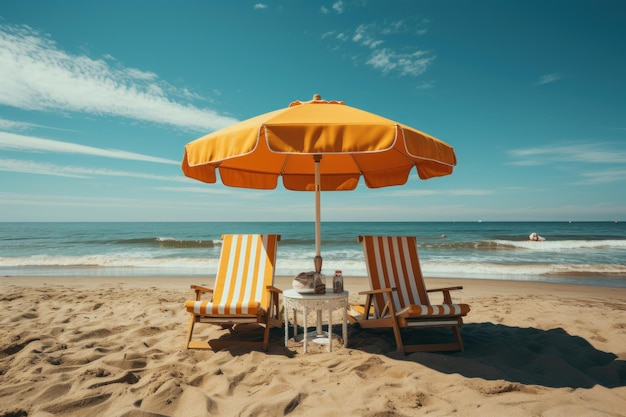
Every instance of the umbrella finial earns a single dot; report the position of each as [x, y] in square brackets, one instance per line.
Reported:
[317, 97]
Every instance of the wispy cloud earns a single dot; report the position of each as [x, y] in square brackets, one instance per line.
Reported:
[15, 142]
[602, 176]
[590, 154]
[457, 192]
[409, 61]
[426, 85]
[38, 168]
[595, 153]
[403, 60]
[363, 36]
[549, 78]
[15, 125]
[199, 190]
[37, 75]
[338, 7]
[85, 201]
[387, 60]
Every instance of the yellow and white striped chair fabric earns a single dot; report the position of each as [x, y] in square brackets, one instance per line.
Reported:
[243, 290]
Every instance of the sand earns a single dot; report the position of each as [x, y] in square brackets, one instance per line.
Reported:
[112, 346]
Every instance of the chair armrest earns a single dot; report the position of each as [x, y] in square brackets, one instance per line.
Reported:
[379, 291]
[274, 307]
[369, 300]
[460, 287]
[447, 299]
[199, 289]
[272, 288]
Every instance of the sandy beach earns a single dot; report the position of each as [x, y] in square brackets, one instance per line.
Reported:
[113, 346]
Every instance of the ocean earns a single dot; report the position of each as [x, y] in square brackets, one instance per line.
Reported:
[592, 253]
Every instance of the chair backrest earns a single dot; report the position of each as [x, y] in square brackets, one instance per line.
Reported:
[392, 262]
[246, 268]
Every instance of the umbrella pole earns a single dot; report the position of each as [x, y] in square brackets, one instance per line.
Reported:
[318, 242]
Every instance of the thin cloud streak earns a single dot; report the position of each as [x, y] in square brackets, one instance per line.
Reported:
[15, 142]
[547, 79]
[578, 154]
[603, 176]
[36, 75]
[200, 190]
[214, 189]
[84, 201]
[421, 193]
[14, 125]
[38, 168]
[583, 153]
[10, 124]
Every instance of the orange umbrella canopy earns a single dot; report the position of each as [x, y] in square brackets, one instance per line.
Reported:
[316, 145]
[348, 143]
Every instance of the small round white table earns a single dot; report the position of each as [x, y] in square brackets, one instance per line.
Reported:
[330, 301]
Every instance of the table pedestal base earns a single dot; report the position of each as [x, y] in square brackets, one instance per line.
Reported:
[330, 301]
[315, 337]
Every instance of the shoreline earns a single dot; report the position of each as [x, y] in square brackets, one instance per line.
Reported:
[113, 346]
[358, 283]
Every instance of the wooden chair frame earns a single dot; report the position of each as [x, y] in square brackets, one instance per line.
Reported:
[398, 318]
[267, 316]
[272, 318]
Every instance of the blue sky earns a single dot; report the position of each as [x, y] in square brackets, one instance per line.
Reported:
[98, 99]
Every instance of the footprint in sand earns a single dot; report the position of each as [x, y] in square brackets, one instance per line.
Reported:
[371, 368]
[13, 349]
[67, 408]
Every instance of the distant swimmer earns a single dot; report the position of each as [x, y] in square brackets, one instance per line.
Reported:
[443, 236]
[535, 237]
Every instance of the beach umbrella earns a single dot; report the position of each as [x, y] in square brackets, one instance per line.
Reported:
[316, 145]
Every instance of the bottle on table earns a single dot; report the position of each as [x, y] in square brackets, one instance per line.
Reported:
[338, 281]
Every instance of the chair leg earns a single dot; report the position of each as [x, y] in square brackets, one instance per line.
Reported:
[457, 334]
[192, 322]
[396, 326]
[457, 345]
[398, 336]
[266, 331]
[266, 337]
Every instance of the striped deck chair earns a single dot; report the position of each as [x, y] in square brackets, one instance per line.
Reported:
[243, 293]
[399, 296]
